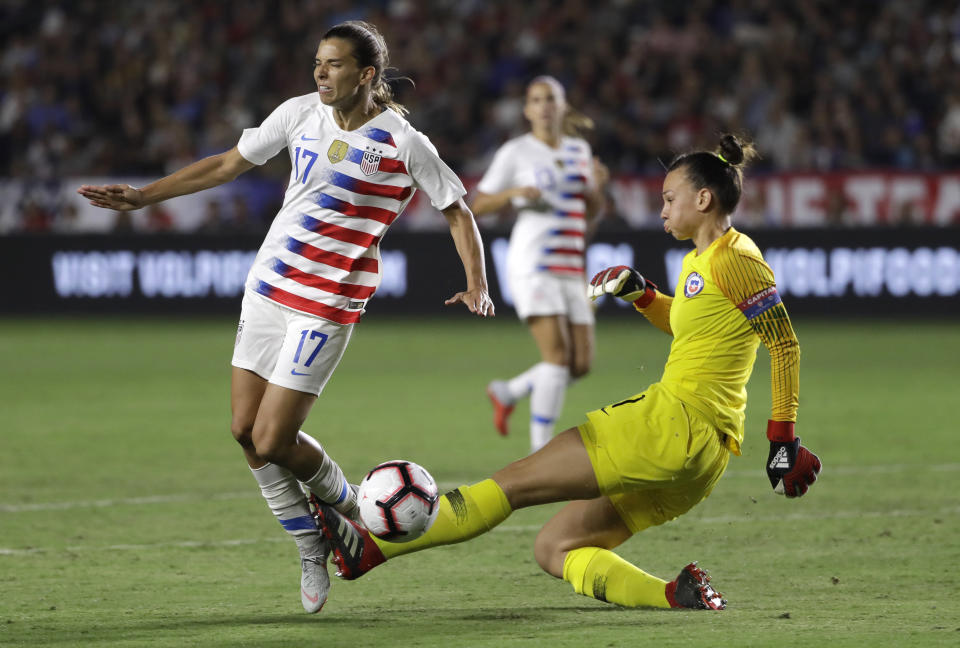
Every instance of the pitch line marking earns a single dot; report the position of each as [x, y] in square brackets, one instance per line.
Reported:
[503, 528]
[444, 486]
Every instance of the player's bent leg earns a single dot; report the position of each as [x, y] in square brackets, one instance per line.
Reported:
[277, 438]
[575, 545]
[275, 433]
[582, 523]
[282, 492]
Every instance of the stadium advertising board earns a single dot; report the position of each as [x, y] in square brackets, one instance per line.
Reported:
[864, 271]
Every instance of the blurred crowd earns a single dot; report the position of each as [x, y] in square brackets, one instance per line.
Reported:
[143, 87]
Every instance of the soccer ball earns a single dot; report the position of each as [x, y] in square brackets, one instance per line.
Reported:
[398, 501]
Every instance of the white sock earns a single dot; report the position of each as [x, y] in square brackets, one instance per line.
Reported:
[329, 485]
[546, 402]
[521, 385]
[288, 503]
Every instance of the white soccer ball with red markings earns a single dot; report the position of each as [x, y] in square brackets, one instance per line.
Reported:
[399, 501]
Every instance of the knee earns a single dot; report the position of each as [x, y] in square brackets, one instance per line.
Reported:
[270, 444]
[579, 368]
[242, 430]
[549, 553]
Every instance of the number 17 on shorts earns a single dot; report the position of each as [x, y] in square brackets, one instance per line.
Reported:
[309, 355]
[287, 347]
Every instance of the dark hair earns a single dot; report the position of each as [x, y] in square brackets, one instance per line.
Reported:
[369, 49]
[720, 171]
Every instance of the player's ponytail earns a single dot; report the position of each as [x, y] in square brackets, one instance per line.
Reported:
[575, 123]
[370, 49]
[720, 171]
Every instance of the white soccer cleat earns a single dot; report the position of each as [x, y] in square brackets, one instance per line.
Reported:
[314, 579]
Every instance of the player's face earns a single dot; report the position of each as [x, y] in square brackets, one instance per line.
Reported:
[680, 214]
[543, 108]
[338, 76]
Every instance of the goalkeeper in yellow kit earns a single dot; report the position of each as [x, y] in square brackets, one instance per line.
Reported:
[651, 457]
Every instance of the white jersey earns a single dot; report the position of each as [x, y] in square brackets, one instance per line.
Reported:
[321, 255]
[548, 235]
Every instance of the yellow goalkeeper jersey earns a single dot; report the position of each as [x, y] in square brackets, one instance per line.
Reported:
[724, 305]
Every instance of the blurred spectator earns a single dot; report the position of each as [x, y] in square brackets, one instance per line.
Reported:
[122, 223]
[948, 134]
[147, 86]
[212, 222]
[158, 219]
[838, 208]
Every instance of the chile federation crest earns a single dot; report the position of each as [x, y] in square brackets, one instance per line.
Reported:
[693, 284]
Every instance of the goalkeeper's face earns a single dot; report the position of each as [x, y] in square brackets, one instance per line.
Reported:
[683, 205]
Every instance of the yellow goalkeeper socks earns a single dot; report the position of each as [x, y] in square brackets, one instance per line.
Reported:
[465, 512]
[605, 576]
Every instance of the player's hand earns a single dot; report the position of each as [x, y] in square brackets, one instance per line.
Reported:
[119, 197]
[529, 193]
[623, 282]
[791, 468]
[601, 174]
[477, 300]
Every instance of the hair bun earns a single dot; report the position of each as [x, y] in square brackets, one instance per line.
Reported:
[731, 150]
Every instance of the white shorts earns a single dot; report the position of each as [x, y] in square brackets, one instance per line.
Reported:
[287, 347]
[542, 293]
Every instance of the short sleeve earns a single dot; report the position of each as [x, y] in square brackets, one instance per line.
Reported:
[500, 174]
[257, 145]
[431, 175]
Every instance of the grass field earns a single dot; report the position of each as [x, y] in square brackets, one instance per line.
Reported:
[128, 518]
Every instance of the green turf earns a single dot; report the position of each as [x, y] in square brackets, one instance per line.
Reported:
[128, 518]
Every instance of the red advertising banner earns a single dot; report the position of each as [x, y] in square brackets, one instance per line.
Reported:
[841, 199]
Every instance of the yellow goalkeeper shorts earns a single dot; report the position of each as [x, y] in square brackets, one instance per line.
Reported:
[654, 457]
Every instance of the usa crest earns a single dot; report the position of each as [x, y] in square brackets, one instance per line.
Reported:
[337, 151]
[693, 284]
[370, 163]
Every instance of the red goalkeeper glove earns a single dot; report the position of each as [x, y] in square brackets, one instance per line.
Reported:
[791, 468]
[623, 282]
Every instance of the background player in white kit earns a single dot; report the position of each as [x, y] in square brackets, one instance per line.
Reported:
[355, 165]
[555, 184]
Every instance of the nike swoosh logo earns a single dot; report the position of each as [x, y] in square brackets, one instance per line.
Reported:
[309, 139]
[297, 373]
[312, 599]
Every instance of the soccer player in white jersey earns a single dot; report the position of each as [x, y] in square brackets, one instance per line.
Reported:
[552, 180]
[355, 163]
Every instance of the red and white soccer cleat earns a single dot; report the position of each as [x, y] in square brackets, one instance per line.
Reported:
[502, 408]
[692, 589]
[354, 551]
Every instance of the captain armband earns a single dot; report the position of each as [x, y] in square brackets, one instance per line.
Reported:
[759, 303]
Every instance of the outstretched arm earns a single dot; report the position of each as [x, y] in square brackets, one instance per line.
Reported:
[466, 237]
[629, 285]
[202, 174]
